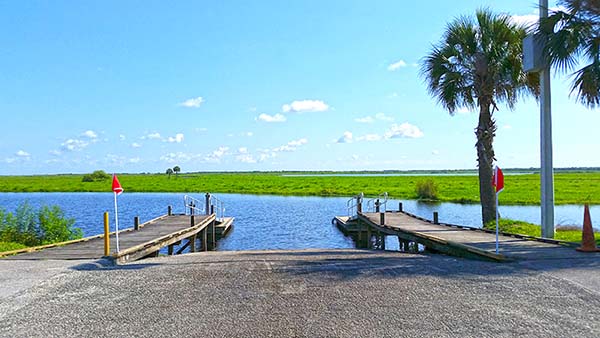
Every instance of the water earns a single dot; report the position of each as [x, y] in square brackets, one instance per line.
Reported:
[266, 222]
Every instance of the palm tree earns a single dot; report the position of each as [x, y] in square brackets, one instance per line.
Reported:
[169, 172]
[574, 39]
[176, 169]
[478, 64]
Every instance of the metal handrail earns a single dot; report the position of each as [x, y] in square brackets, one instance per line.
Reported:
[193, 206]
[381, 201]
[353, 203]
[219, 207]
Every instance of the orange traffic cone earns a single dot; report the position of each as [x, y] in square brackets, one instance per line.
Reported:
[588, 242]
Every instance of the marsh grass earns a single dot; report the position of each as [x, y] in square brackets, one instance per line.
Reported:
[570, 188]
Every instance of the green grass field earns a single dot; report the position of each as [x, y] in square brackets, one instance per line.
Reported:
[570, 188]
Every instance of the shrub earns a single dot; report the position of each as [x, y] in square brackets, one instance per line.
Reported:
[98, 175]
[32, 227]
[427, 189]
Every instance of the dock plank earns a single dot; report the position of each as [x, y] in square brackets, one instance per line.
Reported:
[462, 238]
[94, 247]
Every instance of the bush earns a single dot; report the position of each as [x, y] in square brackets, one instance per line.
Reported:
[427, 189]
[98, 175]
[32, 227]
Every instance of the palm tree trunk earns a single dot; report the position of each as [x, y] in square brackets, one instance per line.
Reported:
[485, 159]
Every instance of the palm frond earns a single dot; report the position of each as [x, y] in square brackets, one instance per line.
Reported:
[586, 84]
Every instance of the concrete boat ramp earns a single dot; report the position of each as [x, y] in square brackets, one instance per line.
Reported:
[542, 289]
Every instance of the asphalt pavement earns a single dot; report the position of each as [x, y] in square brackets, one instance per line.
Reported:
[307, 293]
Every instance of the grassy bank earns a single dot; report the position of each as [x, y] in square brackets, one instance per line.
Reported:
[10, 246]
[569, 234]
[570, 188]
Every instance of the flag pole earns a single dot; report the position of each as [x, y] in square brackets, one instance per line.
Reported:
[496, 223]
[116, 222]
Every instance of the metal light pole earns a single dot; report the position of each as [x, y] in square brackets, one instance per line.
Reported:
[547, 175]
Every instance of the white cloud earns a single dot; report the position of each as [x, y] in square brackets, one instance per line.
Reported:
[265, 155]
[366, 119]
[192, 103]
[371, 119]
[153, 136]
[290, 146]
[92, 135]
[55, 152]
[200, 130]
[435, 152]
[22, 154]
[177, 139]
[74, 145]
[346, 138]
[298, 143]
[383, 117]
[243, 150]
[134, 160]
[396, 65]
[271, 118]
[246, 158]
[507, 126]
[393, 95]
[216, 155]
[305, 106]
[136, 145]
[369, 138]
[249, 134]
[10, 160]
[404, 130]
[122, 137]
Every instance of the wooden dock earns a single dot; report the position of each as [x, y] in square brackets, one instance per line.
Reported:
[369, 230]
[175, 232]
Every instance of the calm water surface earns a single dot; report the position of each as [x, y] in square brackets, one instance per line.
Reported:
[266, 222]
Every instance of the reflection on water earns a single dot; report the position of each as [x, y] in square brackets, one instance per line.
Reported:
[266, 222]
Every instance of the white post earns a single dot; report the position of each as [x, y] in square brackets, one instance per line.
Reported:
[496, 223]
[116, 223]
[547, 175]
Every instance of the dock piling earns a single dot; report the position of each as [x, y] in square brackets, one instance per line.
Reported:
[400, 206]
[106, 235]
[193, 244]
[207, 203]
[435, 218]
[169, 210]
[204, 239]
[136, 223]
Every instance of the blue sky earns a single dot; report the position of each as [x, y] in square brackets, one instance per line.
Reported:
[141, 86]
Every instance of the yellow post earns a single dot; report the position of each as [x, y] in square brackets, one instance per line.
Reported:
[106, 235]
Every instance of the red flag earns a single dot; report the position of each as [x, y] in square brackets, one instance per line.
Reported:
[116, 186]
[498, 179]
